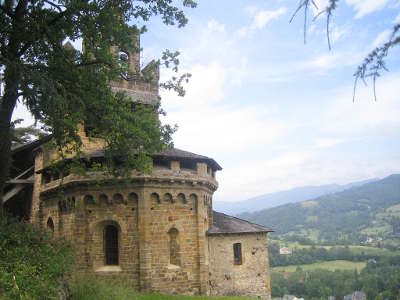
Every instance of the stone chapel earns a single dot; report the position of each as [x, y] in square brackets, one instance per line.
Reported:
[160, 232]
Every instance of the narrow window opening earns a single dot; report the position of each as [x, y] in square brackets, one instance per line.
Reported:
[209, 171]
[118, 198]
[188, 165]
[182, 198]
[111, 245]
[88, 200]
[50, 224]
[237, 253]
[161, 163]
[123, 61]
[168, 198]
[133, 197]
[155, 198]
[174, 255]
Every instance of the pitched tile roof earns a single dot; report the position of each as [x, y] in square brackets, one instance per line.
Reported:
[224, 224]
[168, 153]
[178, 153]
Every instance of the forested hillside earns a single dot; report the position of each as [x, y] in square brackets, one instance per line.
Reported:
[294, 195]
[352, 216]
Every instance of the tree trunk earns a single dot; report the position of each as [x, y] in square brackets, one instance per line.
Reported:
[7, 104]
[12, 76]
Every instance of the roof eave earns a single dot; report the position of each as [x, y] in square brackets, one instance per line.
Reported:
[239, 232]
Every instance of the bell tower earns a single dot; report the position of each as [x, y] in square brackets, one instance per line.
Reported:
[140, 84]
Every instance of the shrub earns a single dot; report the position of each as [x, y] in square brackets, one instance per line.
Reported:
[33, 264]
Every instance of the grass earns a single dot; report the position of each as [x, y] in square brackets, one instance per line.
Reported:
[374, 251]
[367, 250]
[167, 297]
[91, 288]
[325, 265]
[394, 208]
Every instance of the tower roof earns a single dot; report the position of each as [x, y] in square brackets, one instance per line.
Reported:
[168, 153]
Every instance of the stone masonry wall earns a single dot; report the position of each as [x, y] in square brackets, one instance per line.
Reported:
[83, 222]
[144, 214]
[251, 278]
[174, 210]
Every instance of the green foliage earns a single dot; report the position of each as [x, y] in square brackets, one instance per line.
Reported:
[309, 255]
[340, 218]
[378, 279]
[64, 88]
[33, 265]
[332, 265]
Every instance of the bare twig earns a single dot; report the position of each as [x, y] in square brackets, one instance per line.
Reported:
[304, 4]
[56, 6]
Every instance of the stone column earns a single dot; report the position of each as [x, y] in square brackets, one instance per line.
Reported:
[202, 244]
[35, 205]
[144, 221]
[80, 234]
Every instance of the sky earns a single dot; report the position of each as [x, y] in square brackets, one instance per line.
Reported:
[274, 112]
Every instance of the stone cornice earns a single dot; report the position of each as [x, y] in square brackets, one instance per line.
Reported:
[173, 180]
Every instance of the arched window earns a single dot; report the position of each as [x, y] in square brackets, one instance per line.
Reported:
[123, 61]
[168, 198]
[174, 251]
[88, 200]
[182, 198]
[111, 250]
[193, 197]
[50, 224]
[118, 198]
[133, 197]
[193, 201]
[155, 198]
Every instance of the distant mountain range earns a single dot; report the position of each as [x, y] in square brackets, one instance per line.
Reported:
[290, 196]
[370, 211]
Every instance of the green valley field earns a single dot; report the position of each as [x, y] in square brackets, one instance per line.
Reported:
[324, 265]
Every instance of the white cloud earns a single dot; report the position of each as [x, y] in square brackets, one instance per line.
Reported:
[214, 25]
[341, 122]
[327, 142]
[264, 146]
[339, 32]
[365, 7]
[326, 62]
[321, 62]
[381, 38]
[208, 124]
[365, 116]
[321, 5]
[397, 19]
[262, 18]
